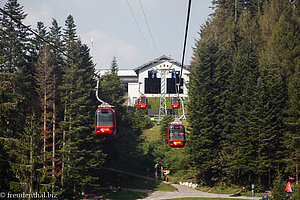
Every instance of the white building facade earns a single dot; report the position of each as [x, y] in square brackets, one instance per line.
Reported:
[153, 78]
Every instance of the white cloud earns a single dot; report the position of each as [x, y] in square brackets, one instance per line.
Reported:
[105, 48]
[43, 14]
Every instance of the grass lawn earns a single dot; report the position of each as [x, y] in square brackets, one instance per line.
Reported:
[151, 134]
[128, 181]
[120, 195]
[165, 187]
[228, 190]
[224, 190]
[154, 102]
[203, 188]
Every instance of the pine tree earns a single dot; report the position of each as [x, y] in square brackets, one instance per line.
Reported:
[279, 35]
[67, 95]
[6, 174]
[270, 135]
[7, 103]
[88, 144]
[291, 138]
[13, 37]
[203, 141]
[81, 155]
[278, 188]
[165, 123]
[111, 89]
[36, 42]
[240, 104]
[55, 37]
[19, 90]
[35, 178]
[46, 83]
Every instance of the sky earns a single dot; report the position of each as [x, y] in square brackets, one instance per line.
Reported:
[109, 27]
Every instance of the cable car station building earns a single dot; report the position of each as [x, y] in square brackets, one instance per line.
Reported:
[154, 78]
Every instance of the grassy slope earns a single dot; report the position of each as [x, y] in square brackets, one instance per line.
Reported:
[128, 181]
[151, 135]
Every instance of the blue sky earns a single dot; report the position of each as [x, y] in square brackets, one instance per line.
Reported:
[113, 30]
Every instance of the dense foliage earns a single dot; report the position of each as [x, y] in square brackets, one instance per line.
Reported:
[243, 109]
[47, 108]
[244, 94]
[47, 105]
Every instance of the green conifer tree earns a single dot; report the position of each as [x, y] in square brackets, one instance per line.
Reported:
[291, 138]
[203, 140]
[278, 188]
[45, 80]
[80, 152]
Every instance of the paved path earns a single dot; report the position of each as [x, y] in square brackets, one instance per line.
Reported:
[184, 191]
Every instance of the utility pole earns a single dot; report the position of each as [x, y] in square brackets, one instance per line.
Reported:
[163, 91]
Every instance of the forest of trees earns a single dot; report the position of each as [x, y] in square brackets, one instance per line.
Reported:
[243, 106]
[47, 108]
[244, 93]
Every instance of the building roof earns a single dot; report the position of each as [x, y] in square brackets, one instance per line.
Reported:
[121, 72]
[159, 60]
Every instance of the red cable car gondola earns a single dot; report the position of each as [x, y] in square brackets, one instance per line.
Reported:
[176, 135]
[105, 121]
[175, 103]
[142, 102]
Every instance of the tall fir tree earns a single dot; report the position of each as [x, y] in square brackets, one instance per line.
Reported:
[80, 152]
[291, 137]
[45, 80]
[239, 104]
[203, 141]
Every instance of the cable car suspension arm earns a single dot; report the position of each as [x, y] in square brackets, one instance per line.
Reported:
[103, 103]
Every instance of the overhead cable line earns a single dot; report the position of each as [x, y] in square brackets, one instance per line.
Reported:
[35, 33]
[185, 36]
[138, 26]
[149, 27]
[184, 45]
[183, 54]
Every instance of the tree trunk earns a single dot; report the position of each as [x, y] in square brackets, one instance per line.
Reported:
[235, 10]
[64, 145]
[53, 141]
[44, 128]
[31, 164]
[297, 172]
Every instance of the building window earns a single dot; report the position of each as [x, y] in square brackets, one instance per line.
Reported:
[152, 86]
[152, 83]
[171, 86]
[152, 74]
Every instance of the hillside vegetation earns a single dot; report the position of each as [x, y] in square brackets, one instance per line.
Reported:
[243, 106]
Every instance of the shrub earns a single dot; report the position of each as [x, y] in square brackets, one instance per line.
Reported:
[278, 188]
